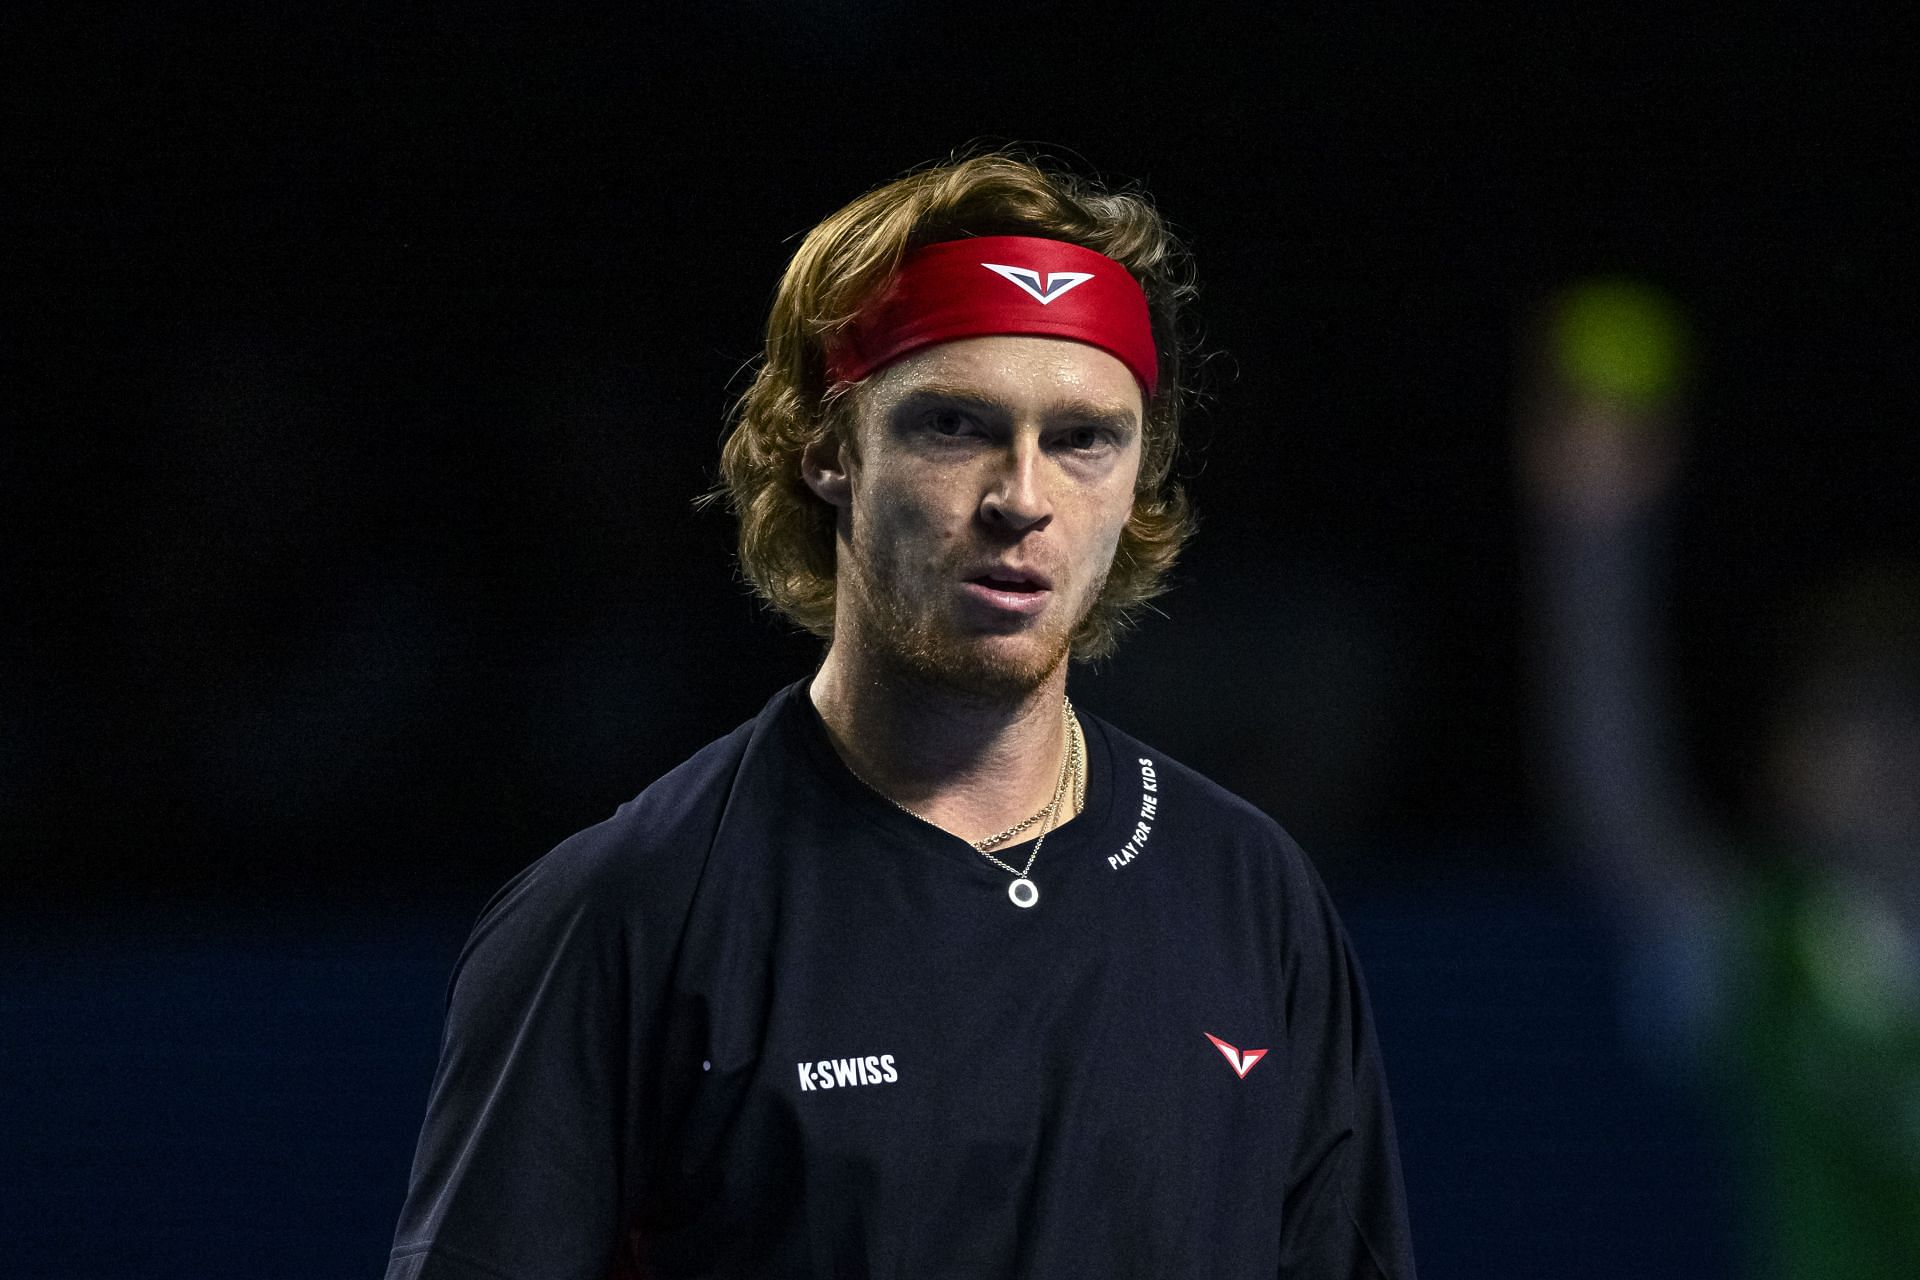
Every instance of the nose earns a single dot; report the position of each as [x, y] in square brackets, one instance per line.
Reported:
[1016, 499]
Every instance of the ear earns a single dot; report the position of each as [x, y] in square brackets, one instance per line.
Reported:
[823, 467]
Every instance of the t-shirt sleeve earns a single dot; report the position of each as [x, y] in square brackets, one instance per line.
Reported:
[533, 1152]
[1345, 1214]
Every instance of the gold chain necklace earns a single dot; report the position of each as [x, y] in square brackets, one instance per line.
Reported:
[1073, 762]
[1023, 892]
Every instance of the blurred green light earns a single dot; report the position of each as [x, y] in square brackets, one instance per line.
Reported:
[1621, 339]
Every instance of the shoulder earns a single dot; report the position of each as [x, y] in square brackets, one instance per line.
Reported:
[628, 878]
[1199, 801]
[1229, 854]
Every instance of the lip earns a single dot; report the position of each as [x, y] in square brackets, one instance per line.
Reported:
[1014, 573]
[1026, 603]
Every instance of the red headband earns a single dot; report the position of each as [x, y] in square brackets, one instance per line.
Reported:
[1000, 284]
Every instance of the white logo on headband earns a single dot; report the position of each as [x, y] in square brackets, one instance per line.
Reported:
[1042, 289]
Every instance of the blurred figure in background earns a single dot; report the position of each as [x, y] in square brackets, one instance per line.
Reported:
[1784, 970]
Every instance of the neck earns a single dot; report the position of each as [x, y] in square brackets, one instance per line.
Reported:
[971, 765]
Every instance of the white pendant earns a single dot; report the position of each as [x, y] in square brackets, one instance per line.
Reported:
[1023, 892]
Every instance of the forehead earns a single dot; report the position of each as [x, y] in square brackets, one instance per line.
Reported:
[1021, 371]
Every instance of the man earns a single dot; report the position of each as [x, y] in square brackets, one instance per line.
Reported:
[921, 972]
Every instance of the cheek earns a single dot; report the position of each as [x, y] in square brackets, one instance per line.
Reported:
[1111, 522]
[1101, 560]
[902, 524]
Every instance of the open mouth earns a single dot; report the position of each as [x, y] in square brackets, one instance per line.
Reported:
[1008, 596]
[1007, 584]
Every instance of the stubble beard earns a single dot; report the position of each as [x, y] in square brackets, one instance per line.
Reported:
[923, 648]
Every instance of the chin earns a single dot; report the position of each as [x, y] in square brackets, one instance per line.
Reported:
[1004, 668]
[1002, 677]
[930, 649]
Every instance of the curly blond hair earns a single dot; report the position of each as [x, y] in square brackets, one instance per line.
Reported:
[786, 530]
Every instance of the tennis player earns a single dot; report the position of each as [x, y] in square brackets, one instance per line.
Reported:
[922, 972]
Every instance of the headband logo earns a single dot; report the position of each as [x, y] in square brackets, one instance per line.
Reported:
[1042, 289]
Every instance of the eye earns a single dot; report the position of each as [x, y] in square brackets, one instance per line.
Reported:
[1086, 439]
[951, 423]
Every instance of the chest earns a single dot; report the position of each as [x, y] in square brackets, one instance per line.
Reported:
[898, 1066]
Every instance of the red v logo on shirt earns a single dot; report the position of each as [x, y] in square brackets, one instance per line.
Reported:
[1241, 1061]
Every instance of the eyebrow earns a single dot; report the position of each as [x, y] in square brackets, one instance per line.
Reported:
[1081, 412]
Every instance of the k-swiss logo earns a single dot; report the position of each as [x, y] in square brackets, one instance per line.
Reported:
[1242, 1061]
[847, 1073]
[1042, 289]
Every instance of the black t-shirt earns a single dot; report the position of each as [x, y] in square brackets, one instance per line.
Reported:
[762, 1023]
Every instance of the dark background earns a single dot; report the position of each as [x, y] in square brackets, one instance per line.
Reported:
[363, 367]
